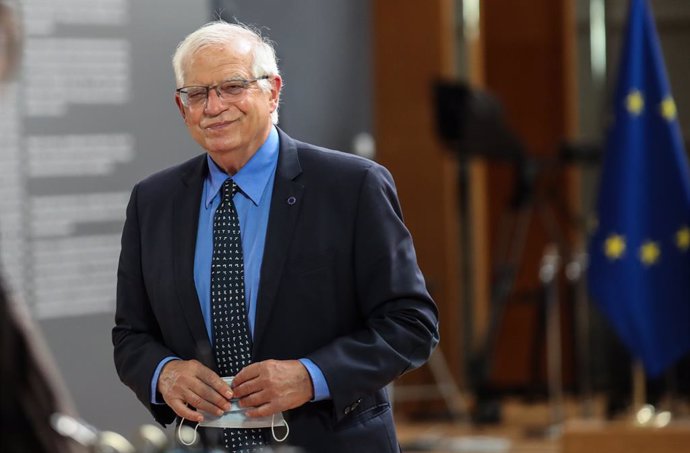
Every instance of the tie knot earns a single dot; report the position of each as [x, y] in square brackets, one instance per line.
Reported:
[229, 189]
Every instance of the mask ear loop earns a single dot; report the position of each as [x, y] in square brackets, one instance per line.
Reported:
[179, 434]
[273, 431]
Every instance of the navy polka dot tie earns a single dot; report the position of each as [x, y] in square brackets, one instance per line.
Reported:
[232, 342]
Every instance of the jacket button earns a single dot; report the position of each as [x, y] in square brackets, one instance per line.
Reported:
[347, 410]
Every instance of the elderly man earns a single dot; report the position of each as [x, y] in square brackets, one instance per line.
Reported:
[282, 264]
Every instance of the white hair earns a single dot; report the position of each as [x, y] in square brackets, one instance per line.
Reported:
[221, 33]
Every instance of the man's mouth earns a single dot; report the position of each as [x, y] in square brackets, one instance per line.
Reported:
[218, 125]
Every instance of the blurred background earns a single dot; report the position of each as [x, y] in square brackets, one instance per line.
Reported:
[491, 117]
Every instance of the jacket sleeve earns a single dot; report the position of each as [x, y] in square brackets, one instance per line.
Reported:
[401, 319]
[138, 347]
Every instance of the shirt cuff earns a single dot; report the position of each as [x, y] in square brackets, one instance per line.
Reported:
[154, 380]
[321, 391]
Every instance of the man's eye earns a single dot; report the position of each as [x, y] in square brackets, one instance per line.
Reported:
[196, 94]
[233, 88]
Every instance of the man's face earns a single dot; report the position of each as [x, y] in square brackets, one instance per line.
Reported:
[231, 132]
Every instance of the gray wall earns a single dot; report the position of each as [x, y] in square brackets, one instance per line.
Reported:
[324, 55]
[81, 343]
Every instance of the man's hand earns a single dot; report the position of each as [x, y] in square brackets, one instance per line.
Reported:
[272, 386]
[183, 382]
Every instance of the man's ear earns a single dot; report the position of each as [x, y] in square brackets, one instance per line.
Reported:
[276, 85]
[180, 107]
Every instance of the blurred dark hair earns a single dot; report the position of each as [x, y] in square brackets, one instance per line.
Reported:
[10, 41]
[27, 396]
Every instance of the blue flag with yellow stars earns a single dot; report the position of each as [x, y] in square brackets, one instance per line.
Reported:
[639, 269]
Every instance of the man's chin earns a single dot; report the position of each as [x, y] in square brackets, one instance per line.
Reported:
[220, 147]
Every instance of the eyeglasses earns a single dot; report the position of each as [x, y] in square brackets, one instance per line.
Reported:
[228, 90]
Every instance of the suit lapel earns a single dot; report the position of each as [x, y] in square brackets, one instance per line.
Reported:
[285, 206]
[185, 224]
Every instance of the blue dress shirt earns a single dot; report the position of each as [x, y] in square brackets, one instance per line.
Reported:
[252, 202]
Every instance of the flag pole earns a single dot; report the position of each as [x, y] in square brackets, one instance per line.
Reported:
[639, 386]
[548, 274]
[645, 415]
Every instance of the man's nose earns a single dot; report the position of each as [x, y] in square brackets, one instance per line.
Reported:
[214, 104]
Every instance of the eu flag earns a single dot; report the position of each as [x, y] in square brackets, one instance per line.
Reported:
[640, 250]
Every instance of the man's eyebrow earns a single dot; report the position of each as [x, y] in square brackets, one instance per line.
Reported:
[238, 77]
[227, 79]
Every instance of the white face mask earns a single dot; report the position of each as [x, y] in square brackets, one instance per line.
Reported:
[236, 417]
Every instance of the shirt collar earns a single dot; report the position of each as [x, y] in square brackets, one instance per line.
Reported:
[253, 178]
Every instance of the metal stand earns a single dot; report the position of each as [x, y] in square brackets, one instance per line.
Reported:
[547, 274]
[575, 272]
[536, 205]
[645, 415]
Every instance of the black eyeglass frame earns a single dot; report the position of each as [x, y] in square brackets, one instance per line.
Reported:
[244, 84]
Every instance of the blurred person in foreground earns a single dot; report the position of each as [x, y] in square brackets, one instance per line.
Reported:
[9, 42]
[30, 388]
[280, 263]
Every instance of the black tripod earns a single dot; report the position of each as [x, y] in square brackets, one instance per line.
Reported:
[472, 124]
[532, 202]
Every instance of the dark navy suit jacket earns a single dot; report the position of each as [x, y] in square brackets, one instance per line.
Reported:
[339, 285]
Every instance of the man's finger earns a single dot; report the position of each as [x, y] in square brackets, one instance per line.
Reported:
[210, 395]
[245, 376]
[264, 410]
[210, 386]
[217, 384]
[181, 409]
[253, 378]
[244, 389]
[256, 399]
[199, 402]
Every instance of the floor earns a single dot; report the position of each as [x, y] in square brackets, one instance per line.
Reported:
[524, 428]
[527, 428]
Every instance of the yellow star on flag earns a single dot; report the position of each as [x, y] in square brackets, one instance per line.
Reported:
[649, 253]
[668, 108]
[634, 102]
[683, 238]
[614, 246]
